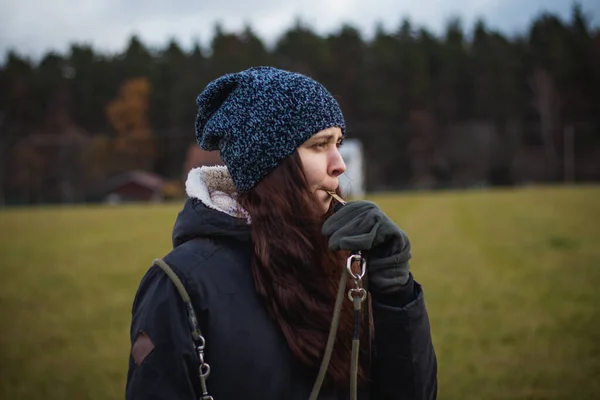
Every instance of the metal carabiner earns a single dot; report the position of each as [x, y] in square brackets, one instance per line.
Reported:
[363, 265]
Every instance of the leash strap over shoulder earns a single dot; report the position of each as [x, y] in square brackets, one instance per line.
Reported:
[331, 338]
[357, 295]
[198, 339]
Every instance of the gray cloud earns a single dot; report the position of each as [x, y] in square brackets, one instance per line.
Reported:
[33, 27]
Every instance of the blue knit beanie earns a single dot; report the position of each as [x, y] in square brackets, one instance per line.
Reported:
[258, 117]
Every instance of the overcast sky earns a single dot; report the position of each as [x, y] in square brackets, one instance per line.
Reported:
[32, 27]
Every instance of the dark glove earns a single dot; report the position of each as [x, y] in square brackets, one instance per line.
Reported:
[362, 225]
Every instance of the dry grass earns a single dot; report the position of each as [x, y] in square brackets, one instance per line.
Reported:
[510, 278]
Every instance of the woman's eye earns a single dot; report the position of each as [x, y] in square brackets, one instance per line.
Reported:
[322, 145]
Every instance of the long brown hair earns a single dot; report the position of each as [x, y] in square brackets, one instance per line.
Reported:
[295, 274]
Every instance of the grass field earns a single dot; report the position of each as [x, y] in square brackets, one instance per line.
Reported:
[511, 280]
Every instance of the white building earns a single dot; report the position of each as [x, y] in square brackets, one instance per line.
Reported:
[352, 183]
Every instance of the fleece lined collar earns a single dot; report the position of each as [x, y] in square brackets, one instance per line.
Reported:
[214, 187]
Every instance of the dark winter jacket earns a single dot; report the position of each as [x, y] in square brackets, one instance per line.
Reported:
[247, 353]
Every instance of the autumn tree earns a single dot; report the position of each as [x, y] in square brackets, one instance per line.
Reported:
[134, 144]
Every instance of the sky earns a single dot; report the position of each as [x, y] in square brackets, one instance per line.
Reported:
[34, 27]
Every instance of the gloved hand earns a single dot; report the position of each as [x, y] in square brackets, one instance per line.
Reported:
[362, 225]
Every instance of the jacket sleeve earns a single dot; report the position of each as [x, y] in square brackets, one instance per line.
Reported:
[162, 361]
[404, 360]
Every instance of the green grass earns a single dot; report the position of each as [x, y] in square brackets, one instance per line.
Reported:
[511, 280]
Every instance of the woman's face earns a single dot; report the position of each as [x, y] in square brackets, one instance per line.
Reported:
[323, 163]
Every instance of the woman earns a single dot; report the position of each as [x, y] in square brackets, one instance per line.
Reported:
[260, 251]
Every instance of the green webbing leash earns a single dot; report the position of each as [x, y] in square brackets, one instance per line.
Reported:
[199, 342]
[356, 295]
[331, 338]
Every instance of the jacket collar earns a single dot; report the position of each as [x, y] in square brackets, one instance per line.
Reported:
[213, 186]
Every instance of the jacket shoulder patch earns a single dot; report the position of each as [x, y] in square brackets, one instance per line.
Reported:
[142, 347]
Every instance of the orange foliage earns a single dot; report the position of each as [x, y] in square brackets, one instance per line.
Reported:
[128, 115]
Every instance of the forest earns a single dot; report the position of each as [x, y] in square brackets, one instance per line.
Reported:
[471, 107]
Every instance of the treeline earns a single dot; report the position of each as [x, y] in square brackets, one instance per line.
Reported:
[469, 107]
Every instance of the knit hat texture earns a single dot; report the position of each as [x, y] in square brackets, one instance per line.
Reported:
[258, 117]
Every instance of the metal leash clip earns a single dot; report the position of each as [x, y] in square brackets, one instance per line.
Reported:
[358, 291]
[357, 296]
[203, 369]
